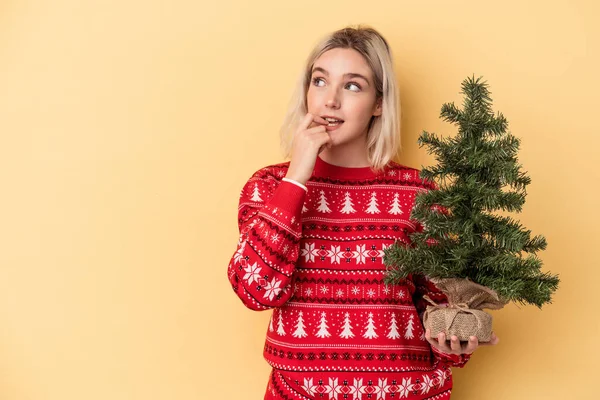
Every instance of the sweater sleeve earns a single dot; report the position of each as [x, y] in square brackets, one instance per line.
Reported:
[269, 220]
[424, 286]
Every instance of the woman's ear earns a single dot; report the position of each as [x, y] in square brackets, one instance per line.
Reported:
[378, 107]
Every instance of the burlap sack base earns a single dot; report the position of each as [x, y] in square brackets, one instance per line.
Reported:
[464, 325]
[463, 316]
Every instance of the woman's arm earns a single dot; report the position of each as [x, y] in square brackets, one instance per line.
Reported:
[270, 226]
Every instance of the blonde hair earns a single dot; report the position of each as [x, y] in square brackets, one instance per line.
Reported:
[383, 136]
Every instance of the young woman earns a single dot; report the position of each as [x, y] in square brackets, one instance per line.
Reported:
[313, 231]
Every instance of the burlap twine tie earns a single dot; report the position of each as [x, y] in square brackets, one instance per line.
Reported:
[462, 316]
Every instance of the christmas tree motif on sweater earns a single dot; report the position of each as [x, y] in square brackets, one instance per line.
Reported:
[395, 210]
[370, 332]
[271, 329]
[348, 206]
[393, 333]
[280, 329]
[323, 332]
[323, 205]
[373, 206]
[409, 328]
[256, 194]
[300, 332]
[304, 209]
[347, 328]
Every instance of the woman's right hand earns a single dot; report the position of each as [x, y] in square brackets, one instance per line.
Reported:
[310, 139]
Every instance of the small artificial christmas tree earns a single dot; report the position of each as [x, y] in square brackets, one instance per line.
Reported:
[478, 259]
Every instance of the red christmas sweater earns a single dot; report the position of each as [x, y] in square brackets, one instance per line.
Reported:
[314, 255]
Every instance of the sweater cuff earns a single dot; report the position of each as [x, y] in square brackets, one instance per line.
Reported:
[289, 197]
[455, 360]
[295, 183]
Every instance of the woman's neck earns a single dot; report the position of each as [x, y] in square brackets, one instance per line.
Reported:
[352, 155]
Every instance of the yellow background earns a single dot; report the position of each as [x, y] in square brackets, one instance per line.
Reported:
[129, 127]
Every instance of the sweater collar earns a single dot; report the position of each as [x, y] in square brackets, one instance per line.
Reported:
[324, 169]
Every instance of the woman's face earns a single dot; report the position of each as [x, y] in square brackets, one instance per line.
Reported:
[342, 87]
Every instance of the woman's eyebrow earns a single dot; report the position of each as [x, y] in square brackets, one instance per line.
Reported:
[346, 75]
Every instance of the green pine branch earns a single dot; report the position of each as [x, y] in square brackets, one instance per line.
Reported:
[478, 174]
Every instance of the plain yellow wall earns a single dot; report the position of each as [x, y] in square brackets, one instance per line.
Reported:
[129, 127]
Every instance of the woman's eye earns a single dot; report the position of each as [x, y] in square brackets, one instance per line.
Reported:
[354, 84]
[317, 80]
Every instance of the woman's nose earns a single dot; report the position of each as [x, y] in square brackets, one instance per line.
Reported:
[332, 99]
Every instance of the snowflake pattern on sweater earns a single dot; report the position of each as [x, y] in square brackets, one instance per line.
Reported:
[315, 258]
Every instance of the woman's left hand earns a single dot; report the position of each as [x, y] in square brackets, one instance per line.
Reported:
[457, 347]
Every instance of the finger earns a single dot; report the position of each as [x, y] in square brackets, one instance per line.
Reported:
[311, 120]
[455, 344]
[442, 343]
[325, 146]
[320, 120]
[471, 345]
[317, 124]
[428, 337]
[441, 338]
[321, 137]
[316, 129]
[308, 118]
[325, 142]
[496, 339]
[493, 341]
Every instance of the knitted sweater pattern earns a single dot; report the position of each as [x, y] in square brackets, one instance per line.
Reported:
[315, 257]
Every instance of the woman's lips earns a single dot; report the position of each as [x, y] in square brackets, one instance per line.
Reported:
[330, 128]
